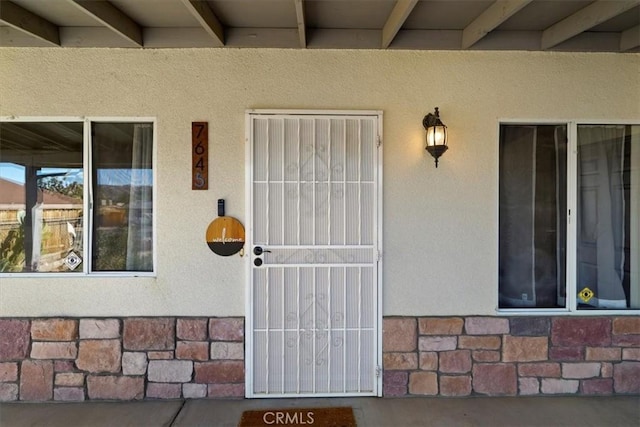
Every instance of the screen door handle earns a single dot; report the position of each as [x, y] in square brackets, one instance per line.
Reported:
[258, 250]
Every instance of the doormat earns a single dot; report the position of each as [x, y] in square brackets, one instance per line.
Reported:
[300, 417]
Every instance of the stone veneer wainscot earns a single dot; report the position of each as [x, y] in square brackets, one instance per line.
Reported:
[499, 356]
[70, 359]
[121, 358]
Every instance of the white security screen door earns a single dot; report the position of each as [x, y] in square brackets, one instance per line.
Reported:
[314, 309]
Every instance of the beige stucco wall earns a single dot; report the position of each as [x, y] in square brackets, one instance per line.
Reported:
[440, 225]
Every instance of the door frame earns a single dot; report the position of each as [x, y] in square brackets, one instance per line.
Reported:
[249, 347]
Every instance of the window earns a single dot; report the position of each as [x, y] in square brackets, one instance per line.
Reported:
[76, 196]
[569, 224]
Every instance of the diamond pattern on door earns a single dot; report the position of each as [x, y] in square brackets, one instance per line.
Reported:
[314, 323]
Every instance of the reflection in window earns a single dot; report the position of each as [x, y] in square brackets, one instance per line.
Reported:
[42, 204]
[41, 197]
[123, 182]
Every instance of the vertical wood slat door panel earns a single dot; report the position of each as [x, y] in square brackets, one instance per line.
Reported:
[314, 296]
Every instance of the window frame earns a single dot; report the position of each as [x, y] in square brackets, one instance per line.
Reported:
[571, 307]
[87, 202]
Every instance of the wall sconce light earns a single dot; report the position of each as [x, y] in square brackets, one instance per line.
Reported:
[436, 134]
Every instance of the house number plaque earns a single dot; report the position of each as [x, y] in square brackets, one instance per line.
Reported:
[199, 155]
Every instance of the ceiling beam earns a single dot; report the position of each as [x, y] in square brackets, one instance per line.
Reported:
[27, 22]
[22, 133]
[630, 39]
[44, 158]
[302, 30]
[491, 18]
[584, 19]
[207, 19]
[113, 18]
[396, 19]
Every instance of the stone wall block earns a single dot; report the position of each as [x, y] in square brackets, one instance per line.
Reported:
[529, 326]
[64, 366]
[192, 350]
[631, 354]
[399, 334]
[8, 392]
[548, 370]
[626, 325]
[457, 361]
[149, 334]
[498, 379]
[485, 356]
[192, 329]
[486, 326]
[580, 370]
[69, 394]
[572, 331]
[69, 379]
[603, 353]
[36, 380]
[99, 328]
[597, 386]
[629, 340]
[558, 386]
[528, 386]
[429, 343]
[134, 363]
[164, 390]
[54, 350]
[440, 325]
[400, 361]
[194, 391]
[219, 372]
[14, 339]
[525, 349]
[115, 387]
[170, 371]
[54, 330]
[227, 351]
[395, 378]
[428, 361]
[99, 356]
[455, 386]
[606, 370]
[160, 355]
[626, 377]
[423, 383]
[560, 354]
[226, 329]
[395, 383]
[225, 390]
[479, 342]
[8, 372]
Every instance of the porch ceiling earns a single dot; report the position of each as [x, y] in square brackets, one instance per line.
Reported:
[560, 25]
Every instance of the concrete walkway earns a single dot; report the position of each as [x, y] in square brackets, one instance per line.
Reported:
[619, 411]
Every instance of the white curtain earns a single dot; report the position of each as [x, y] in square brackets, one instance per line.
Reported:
[601, 215]
[532, 238]
[140, 227]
